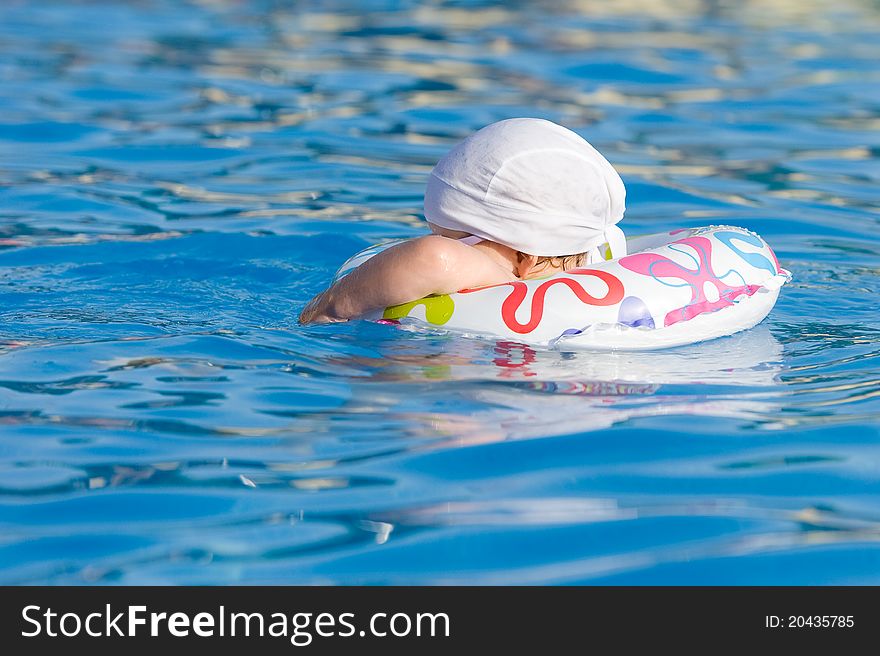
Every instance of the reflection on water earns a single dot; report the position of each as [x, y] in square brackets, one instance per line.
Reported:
[173, 190]
[524, 393]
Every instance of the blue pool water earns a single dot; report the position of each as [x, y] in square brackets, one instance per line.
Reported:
[178, 178]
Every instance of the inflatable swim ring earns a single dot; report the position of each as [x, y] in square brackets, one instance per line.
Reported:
[673, 288]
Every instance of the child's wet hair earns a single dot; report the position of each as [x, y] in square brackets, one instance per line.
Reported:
[564, 262]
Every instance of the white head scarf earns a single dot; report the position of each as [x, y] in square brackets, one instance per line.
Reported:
[532, 185]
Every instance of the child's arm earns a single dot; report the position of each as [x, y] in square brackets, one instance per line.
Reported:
[403, 273]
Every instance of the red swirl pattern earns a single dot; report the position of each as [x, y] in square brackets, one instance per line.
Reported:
[520, 290]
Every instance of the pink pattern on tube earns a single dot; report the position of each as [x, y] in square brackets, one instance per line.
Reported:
[657, 266]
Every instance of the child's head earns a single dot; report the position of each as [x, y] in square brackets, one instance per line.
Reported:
[531, 185]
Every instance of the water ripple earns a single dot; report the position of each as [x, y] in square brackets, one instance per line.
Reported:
[175, 189]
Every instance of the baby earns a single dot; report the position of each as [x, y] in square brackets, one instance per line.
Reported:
[521, 198]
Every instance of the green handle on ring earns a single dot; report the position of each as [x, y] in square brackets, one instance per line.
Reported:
[438, 309]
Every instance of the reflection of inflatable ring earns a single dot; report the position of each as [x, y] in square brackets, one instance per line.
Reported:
[674, 288]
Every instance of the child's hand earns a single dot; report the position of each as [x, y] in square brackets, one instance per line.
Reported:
[318, 310]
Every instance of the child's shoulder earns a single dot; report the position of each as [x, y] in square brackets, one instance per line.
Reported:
[450, 256]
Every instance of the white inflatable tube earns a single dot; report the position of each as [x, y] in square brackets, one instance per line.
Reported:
[671, 289]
